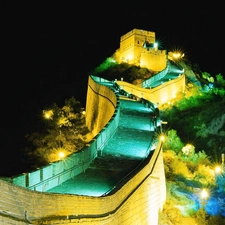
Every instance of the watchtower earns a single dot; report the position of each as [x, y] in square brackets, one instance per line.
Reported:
[139, 47]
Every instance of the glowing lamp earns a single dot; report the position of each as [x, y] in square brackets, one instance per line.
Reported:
[61, 155]
[218, 169]
[162, 138]
[204, 194]
[48, 114]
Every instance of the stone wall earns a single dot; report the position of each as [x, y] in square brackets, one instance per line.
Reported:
[158, 95]
[100, 106]
[132, 50]
[153, 60]
[60, 171]
[136, 201]
[54, 174]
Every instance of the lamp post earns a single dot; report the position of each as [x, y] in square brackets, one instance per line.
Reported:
[222, 156]
[48, 114]
[218, 169]
[219, 176]
[204, 196]
[61, 155]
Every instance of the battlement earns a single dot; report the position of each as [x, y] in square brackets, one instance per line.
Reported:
[139, 47]
[146, 35]
[134, 200]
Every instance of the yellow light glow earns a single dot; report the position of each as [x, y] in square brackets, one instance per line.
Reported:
[176, 55]
[204, 194]
[164, 99]
[61, 155]
[218, 169]
[162, 137]
[48, 114]
[174, 95]
[129, 58]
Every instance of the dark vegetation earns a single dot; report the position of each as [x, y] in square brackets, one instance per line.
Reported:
[111, 70]
[199, 119]
[64, 131]
[61, 130]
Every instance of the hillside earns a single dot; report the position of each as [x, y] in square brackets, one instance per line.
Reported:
[196, 115]
[193, 119]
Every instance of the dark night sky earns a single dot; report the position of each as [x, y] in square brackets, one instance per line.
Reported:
[47, 53]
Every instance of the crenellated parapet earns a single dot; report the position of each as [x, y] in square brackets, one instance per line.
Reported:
[134, 200]
[100, 105]
[139, 47]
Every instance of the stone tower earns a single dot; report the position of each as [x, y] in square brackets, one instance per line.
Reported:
[139, 47]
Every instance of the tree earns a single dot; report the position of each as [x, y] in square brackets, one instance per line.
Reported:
[105, 65]
[220, 80]
[173, 142]
[65, 131]
[207, 76]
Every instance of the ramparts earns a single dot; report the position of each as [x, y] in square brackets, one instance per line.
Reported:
[160, 94]
[58, 172]
[137, 201]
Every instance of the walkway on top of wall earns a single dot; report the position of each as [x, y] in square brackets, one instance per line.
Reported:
[174, 72]
[124, 152]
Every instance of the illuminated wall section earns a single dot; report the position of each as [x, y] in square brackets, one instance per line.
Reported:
[153, 60]
[138, 47]
[131, 45]
[101, 102]
[128, 56]
[136, 201]
[158, 95]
